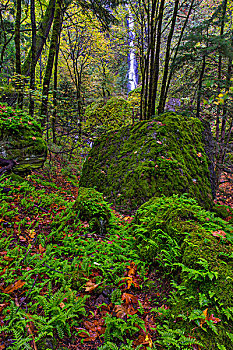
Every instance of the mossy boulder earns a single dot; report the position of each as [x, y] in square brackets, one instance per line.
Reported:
[194, 249]
[92, 208]
[21, 140]
[163, 156]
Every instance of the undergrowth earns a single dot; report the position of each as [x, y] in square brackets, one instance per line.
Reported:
[63, 283]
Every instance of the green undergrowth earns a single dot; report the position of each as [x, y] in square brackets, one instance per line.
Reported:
[193, 248]
[52, 265]
[54, 262]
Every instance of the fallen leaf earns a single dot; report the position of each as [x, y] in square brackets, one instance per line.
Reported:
[90, 286]
[41, 249]
[12, 287]
[219, 233]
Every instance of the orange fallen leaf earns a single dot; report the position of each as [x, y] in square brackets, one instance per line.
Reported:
[41, 249]
[12, 287]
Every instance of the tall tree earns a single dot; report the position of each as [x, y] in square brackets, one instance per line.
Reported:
[18, 52]
[33, 58]
[57, 23]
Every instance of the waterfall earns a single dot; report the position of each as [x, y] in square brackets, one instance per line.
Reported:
[132, 57]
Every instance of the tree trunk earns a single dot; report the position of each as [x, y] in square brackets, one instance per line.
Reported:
[33, 65]
[49, 67]
[154, 73]
[167, 59]
[54, 117]
[199, 91]
[17, 52]
[41, 37]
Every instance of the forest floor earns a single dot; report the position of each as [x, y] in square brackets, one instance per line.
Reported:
[33, 252]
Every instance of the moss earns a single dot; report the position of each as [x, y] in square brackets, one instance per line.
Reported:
[110, 114]
[21, 140]
[223, 211]
[163, 156]
[176, 236]
[92, 208]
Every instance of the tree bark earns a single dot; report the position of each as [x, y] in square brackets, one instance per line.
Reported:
[18, 52]
[154, 71]
[49, 67]
[41, 37]
[167, 59]
[33, 60]
[200, 87]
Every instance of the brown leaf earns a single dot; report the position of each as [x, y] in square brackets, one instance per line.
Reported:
[62, 305]
[7, 258]
[90, 286]
[129, 298]
[12, 287]
[41, 249]
[120, 311]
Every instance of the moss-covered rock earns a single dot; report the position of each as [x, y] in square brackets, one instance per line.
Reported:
[194, 248]
[92, 208]
[21, 140]
[163, 156]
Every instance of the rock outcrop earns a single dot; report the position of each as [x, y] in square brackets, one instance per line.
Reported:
[163, 156]
[21, 140]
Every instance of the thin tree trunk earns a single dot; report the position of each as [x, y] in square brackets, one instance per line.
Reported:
[167, 59]
[154, 74]
[17, 51]
[33, 65]
[220, 147]
[176, 52]
[41, 37]
[199, 91]
[49, 67]
[54, 117]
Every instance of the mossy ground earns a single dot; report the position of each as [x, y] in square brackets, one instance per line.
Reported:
[163, 156]
[194, 248]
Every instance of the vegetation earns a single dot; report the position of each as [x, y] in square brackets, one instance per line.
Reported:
[75, 272]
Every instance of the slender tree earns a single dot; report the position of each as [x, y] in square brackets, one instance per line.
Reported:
[18, 52]
[33, 58]
[49, 66]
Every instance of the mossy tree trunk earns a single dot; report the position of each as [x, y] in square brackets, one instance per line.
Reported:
[49, 67]
[220, 135]
[199, 90]
[54, 117]
[18, 52]
[42, 35]
[33, 63]
[155, 64]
